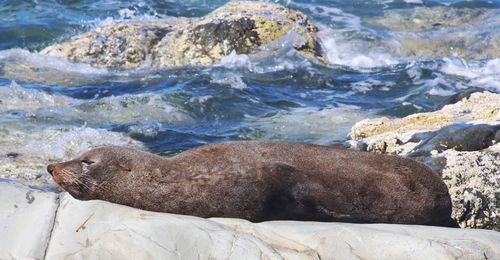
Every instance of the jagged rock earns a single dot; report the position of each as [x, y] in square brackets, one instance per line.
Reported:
[461, 142]
[26, 219]
[478, 106]
[239, 27]
[474, 184]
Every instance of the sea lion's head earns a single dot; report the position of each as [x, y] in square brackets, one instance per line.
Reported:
[92, 174]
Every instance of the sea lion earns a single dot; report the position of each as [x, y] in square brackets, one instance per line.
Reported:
[262, 180]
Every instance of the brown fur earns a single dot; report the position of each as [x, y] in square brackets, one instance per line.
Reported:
[260, 181]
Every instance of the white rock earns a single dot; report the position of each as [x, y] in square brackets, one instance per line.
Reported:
[96, 229]
[26, 219]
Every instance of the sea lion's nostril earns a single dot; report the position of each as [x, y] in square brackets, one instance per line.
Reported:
[50, 169]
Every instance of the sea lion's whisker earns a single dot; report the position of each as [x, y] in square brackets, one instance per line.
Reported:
[74, 179]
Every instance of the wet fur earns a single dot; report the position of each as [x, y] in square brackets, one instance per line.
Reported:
[261, 181]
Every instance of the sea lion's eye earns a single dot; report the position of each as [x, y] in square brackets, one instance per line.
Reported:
[87, 162]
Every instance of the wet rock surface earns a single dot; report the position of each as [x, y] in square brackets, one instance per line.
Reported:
[461, 142]
[240, 27]
[120, 44]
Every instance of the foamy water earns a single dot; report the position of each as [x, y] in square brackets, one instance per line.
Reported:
[51, 109]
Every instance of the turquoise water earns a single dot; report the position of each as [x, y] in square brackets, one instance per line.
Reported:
[277, 95]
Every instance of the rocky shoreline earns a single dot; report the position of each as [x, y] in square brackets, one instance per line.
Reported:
[461, 142]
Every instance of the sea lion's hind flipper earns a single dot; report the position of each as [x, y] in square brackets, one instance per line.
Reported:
[292, 197]
[280, 202]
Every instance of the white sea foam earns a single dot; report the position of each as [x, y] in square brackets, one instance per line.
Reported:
[436, 91]
[234, 60]
[278, 55]
[148, 128]
[27, 66]
[485, 74]
[127, 109]
[124, 109]
[321, 126]
[33, 149]
[30, 59]
[347, 42]
[15, 97]
[353, 53]
[436, 86]
[414, 1]
[231, 79]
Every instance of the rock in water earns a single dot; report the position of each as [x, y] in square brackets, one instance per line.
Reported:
[120, 44]
[443, 31]
[240, 27]
[461, 142]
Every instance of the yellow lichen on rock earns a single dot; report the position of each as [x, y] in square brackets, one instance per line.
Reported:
[240, 27]
[478, 106]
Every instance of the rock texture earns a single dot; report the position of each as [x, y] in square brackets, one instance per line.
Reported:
[119, 44]
[461, 142]
[26, 219]
[443, 31]
[240, 27]
[36, 225]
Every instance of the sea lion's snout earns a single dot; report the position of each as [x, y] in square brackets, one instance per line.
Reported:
[50, 169]
[66, 175]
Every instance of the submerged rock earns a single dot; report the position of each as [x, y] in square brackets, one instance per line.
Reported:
[461, 142]
[240, 27]
[440, 31]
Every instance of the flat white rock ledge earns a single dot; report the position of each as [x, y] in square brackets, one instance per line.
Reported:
[96, 229]
[26, 220]
[102, 230]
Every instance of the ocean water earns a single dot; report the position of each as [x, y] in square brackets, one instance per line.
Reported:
[272, 95]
